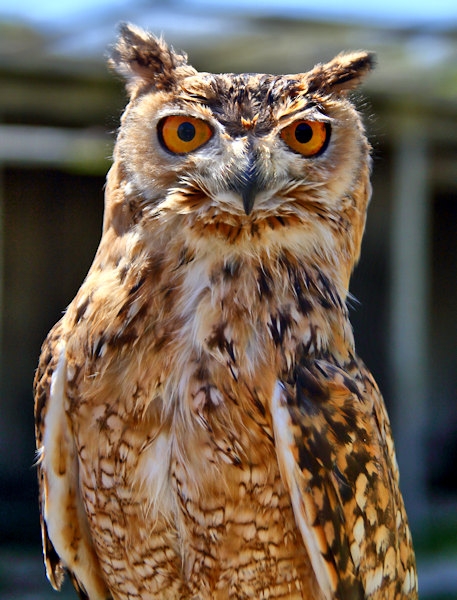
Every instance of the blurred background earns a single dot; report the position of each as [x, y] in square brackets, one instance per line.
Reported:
[59, 109]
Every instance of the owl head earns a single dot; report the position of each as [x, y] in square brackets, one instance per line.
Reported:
[247, 161]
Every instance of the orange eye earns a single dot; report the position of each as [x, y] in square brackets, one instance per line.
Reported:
[308, 138]
[181, 134]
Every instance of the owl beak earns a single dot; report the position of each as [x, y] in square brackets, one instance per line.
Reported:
[248, 195]
[246, 185]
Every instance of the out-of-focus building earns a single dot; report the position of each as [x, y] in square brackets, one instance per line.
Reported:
[58, 114]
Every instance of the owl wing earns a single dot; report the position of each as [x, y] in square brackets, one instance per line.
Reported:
[337, 460]
[67, 545]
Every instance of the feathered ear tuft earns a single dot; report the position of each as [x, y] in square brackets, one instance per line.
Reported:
[342, 74]
[145, 60]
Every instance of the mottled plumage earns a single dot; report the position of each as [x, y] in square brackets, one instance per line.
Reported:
[205, 429]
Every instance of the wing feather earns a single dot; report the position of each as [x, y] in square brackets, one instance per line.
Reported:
[65, 533]
[303, 505]
[337, 460]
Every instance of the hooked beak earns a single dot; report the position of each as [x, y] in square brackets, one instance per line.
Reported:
[248, 194]
[247, 185]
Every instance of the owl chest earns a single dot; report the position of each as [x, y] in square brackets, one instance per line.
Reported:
[178, 467]
[190, 517]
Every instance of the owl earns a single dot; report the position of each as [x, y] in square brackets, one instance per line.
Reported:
[205, 429]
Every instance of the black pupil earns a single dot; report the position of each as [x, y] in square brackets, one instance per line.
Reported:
[186, 132]
[303, 133]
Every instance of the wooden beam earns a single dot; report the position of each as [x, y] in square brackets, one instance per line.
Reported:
[87, 151]
[408, 345]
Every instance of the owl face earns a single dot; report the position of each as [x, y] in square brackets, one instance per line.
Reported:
[249, 151]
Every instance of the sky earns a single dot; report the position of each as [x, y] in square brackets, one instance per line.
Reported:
[55, 13]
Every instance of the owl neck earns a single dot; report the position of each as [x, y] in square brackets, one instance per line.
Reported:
[261, 302]
[265, 301]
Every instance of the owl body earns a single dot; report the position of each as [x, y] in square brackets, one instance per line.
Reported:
[205, 428]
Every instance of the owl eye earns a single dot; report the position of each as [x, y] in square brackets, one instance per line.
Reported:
[181, 134]
[308, 138]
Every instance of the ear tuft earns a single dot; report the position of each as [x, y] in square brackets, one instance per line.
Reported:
[342, 74]
[145, 60]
